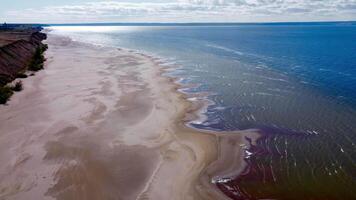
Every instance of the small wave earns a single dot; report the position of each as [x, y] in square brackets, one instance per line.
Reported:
[219, 108]
[225, 49]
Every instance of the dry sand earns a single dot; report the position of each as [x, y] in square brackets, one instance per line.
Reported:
[102, 123]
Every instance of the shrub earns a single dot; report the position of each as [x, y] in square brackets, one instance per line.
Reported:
[21, 75]
[36, 67]
[44, 47]
[5, 94]
[36, 63]
[17, 87]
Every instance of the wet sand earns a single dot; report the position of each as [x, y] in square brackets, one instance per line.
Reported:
[103, 123]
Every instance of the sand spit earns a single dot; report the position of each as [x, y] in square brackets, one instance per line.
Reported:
[102, 123]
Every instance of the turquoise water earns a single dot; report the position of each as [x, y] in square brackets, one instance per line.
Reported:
[294, 82]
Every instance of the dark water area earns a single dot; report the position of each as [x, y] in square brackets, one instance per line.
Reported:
[274, 172]
[296, 83]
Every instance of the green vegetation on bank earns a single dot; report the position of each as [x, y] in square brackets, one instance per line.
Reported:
[7, 91]
[5, 94]
[38, 59]
[21, 75]
[17, 87]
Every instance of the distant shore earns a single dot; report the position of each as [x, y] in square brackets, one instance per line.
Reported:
[102, 123]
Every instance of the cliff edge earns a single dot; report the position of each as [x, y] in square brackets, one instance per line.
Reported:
[15, 57]
[21, 49]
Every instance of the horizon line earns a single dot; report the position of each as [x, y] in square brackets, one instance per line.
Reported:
[182, 23]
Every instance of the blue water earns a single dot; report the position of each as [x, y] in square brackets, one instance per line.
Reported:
[295, 82]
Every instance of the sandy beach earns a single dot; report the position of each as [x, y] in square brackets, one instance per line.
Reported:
[103, 123]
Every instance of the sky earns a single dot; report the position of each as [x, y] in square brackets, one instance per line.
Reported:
[97, 11]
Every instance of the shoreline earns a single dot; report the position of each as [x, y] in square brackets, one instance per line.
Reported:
[224, 167]
[177, 162]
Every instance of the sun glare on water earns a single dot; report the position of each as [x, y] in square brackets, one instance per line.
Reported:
[98, 29]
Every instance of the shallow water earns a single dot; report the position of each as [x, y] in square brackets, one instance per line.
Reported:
[294, 82]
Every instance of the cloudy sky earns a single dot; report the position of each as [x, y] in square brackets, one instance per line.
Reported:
[79, 11]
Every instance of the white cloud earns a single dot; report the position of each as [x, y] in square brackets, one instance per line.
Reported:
[191, 10]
